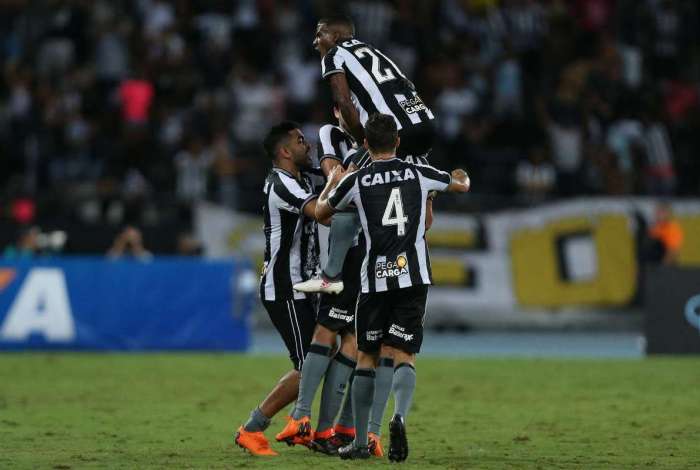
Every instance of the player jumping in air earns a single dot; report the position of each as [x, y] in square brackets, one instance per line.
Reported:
[364, 81]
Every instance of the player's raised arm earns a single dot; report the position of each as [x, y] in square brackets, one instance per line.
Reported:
[341, 96]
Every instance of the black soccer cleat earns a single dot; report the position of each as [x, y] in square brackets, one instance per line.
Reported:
[398, 443]
[327, 446]
[351, 452]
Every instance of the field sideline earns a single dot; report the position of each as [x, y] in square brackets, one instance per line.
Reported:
[61, 411]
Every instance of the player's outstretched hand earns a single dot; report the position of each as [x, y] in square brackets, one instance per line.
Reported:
[460, 181]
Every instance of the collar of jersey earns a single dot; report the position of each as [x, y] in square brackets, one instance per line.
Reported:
[386, 159]
[283, 171]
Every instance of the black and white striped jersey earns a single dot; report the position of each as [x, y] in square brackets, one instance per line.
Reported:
[376, 83]
[335, 143]
[291, 238]
[390, 196]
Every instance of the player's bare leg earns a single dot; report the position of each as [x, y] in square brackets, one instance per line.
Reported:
[250, 436]
[284, 393]
[403, 388]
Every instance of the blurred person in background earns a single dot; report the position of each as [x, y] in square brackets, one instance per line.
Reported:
[193, 164]
[189, 245]
[129, 244]
[62, 135]
[535, 177]
[665, 235]
[564, 120]
[26, 247]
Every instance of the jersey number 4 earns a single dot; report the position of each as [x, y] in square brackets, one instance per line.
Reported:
[395, 206]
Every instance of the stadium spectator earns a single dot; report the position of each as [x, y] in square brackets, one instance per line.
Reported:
[136, 97]
[27, 245]
[536, 176]
[129, 244]
[71, 69]
[193, 165]
[188, 245]
[666, 236]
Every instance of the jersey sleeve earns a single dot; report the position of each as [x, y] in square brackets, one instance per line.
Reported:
[332, 62]
[433, 179]
[326, 147]
[360, 157]
[344, 193]
[317, 179]
[292, 197]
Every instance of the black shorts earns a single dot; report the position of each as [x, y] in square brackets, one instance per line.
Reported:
[337, 312]
[416, 142]
[393, 317]
[295, 320]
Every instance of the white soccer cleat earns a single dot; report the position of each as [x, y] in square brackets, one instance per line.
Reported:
[320, 285]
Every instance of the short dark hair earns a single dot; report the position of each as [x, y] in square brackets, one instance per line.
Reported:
[276, 136]
[381, 133]
[339, 20]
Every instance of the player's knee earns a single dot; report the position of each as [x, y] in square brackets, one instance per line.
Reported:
[291, 376]
[401, 357]
[387, 351]
[366, 360]
[324, 336]
[348, 346]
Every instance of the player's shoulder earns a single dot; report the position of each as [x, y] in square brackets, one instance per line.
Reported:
[328, 131]
[281, 179]
[411, 169]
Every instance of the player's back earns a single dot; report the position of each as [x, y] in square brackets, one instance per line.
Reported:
[376, 83]
[391, 198]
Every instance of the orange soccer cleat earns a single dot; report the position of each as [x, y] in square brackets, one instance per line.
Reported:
[254, 442]
[375, 445]
[344, 433]
[296, 432]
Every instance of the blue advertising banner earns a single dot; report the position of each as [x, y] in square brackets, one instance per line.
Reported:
[99, 304]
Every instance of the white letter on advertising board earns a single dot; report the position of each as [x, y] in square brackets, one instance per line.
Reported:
[42, 307]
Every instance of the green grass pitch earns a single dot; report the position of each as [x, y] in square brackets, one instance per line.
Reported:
[61, 411]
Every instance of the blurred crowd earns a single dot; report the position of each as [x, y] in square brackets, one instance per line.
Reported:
[131, 111]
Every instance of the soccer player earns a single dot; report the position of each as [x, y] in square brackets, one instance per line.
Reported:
[390, 195]
[291, 255]
[365, 81]
[335, 317]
